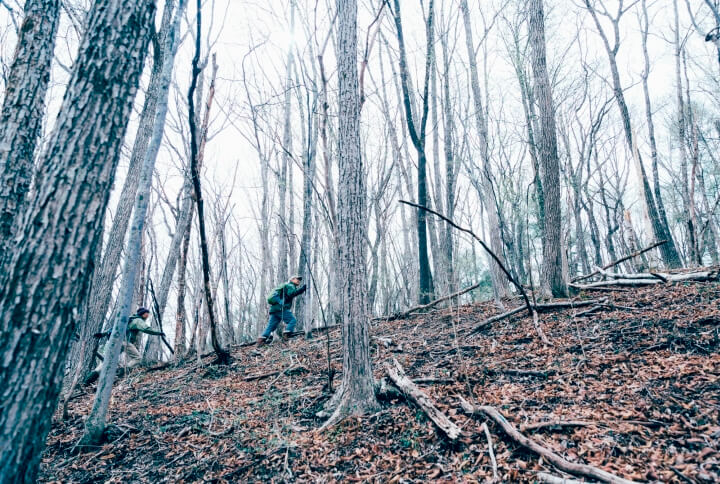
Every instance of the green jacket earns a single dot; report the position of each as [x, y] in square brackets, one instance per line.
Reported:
[281, 297]
[139, 325]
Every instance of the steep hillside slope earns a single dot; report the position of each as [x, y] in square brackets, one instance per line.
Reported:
[641, 374]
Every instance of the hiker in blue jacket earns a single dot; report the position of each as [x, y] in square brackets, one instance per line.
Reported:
[280, 301]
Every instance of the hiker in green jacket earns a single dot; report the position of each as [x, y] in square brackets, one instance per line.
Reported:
[280, 300]
[137, 324]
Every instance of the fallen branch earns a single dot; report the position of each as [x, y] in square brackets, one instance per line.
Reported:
[491, 451]
[405, 314]
[620, 260]
[648, 279]
[517, 285]
[419, 398]
[551, 479]
[288, 371]
[538, 307]
[554, 423]
[558, 461]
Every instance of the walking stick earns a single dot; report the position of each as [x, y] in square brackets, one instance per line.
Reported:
[156, 310]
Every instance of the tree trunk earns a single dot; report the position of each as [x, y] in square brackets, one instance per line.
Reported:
[417, 135]
[180, 313]
[23, 111]
[92, 318]
[95, 423]
[553, 280]
[499, 281]
[645, 28]
[356, 395]
[223, 357]
[668, 250]
[64, 227]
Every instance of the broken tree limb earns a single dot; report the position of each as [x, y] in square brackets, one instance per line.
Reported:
[484, 246]
[551, 479]
[491, 450]
[558, 461]
[620, 260]
[405, 314]
[554, 423]
[538, 307]
[648, 279]
[418, 397]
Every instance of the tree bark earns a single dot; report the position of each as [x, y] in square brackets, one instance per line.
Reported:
[223, 356]
[356, 394]
[82, 353]
[553, 279]
[23, 111]
[95, 423]
[47, 278]
[418, 138]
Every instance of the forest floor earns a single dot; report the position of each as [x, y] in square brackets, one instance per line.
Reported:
[642, 374]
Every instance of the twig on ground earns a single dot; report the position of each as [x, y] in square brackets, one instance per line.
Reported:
[491, 451]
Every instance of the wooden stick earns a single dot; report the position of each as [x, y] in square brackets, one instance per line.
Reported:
[558, 461]
[538, 307]
[620, 260]
[405, 314]
[491, 451]
[551, 479]
[484, 246]
[419, 398]
[554, 423]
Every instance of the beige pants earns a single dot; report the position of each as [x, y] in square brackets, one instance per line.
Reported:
[129, 358]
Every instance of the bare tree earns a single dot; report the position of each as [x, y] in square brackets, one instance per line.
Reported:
[356, 394]
[417, 133]
[660, 231]
[63, 228]
[95, 423]
[500, 283]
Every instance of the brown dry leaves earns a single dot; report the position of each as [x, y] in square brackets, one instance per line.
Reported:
[645, 374]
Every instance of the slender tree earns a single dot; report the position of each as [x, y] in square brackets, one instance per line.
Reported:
[63, 228]
[417, 133]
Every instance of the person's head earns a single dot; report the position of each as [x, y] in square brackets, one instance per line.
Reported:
[143, 312]
[297, 280]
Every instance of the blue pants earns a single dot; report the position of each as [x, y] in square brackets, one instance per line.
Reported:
[275, 318]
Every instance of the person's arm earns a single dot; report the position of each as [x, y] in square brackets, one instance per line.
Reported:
[141, 325]
[301, 290]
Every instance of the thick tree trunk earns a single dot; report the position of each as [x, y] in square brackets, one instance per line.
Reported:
[64, 227]
[553, 279]
[499, 281]
[95, 423]
[356, 394]
[180, 313]
[23, 111]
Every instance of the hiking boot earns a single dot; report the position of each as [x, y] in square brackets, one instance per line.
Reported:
[262, 341]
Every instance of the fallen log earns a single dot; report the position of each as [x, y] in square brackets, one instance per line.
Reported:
[558, 461]
[619, 261]
[418, 397]
[405, 314]
[538, 307]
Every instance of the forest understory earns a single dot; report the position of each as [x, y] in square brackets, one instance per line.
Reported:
[638, 378]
